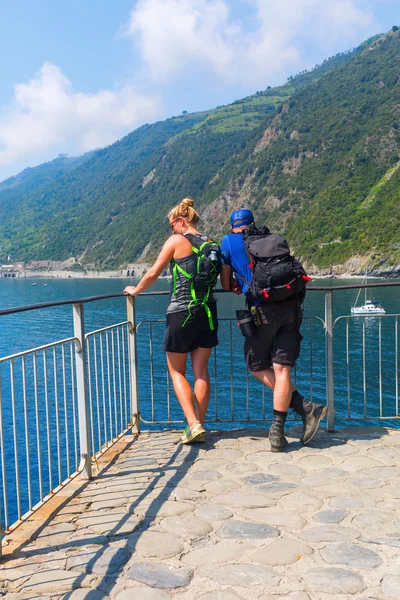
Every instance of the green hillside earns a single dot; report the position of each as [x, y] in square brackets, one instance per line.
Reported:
[316, 158]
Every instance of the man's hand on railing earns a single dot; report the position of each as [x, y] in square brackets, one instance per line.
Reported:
[235, 286]
[130, 290]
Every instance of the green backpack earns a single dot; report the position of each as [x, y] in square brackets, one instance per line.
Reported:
[208, 267]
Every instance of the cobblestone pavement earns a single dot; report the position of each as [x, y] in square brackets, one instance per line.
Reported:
[225, 520]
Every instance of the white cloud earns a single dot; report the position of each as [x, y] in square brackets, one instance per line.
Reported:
[48, 115]
[175, 35]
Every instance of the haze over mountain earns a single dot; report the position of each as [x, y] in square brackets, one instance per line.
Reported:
[317, 159]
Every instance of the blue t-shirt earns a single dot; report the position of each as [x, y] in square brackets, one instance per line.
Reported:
[234, 255]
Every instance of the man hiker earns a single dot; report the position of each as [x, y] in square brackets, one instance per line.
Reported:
[273, 348]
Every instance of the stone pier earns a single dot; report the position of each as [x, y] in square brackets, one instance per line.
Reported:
[225, 520]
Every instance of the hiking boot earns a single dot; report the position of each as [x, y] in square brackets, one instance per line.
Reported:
[311, 421]
[193, 434]
[277, 438]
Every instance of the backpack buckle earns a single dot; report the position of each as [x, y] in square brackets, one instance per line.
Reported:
[265, 294]
[287, 286]
[306, 278]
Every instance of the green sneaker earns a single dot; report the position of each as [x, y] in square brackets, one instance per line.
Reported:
[193, 434]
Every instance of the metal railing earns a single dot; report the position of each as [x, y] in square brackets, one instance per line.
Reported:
[63, 403]
[236, 397]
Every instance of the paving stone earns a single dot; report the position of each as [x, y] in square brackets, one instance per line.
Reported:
[244, 500]
[219, 553]
[103, 561]
[316, 480]
[227, 443]
[162, 508]
[300, 502]
[287, 470]
[346, 502]
[186, 525]
[344, 450]
[227, 454]
[382, 542]
[243, 574]
[206, 475]
[182, 494]
[279, 488]
[112, 522]
[315, 461]
[139, 593]
[331, 516]
[335, 581]
[291, 596]
[366, 483]
[57, 580]
[275, 516]
[213, 512]
[381, 472]
[373, 523]
[140, 461]
[333, 533]
[386, 491]
[155, 543]
[351, 555]
[160, 576]
[220, 596]
[360, 462]
[391, 586]
[386, 454]
[263, 457]
[221, 486]
[85, 537]
[55, 534]
[282, 552]
[242, 468]
[85, 595]
[260, 478]
[242, 530]
[389, 504]
[332, 472]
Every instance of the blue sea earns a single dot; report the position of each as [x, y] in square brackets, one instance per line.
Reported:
[365, 364]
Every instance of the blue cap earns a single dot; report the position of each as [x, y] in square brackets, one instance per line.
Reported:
[241, 217]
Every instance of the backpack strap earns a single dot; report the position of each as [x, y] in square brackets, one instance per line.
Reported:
[197, 248]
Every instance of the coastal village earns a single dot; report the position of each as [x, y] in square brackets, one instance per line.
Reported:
[65, 269]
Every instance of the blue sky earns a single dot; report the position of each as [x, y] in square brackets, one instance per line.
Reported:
[79, 75]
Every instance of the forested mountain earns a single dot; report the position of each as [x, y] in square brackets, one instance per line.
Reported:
[316, 158]
[31, 178]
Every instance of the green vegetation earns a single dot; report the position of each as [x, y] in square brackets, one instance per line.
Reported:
[317, 158]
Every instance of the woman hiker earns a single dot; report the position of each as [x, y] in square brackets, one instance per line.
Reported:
[192, 321]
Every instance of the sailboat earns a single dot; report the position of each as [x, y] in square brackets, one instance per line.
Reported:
[370, 307]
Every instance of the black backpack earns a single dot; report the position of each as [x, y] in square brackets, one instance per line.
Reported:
[277, 275]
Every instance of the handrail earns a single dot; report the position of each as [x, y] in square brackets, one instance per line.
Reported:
[19, 309]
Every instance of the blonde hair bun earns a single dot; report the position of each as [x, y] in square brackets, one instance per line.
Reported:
[185, 210]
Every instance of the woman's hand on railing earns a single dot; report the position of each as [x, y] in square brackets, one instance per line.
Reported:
[130, 290]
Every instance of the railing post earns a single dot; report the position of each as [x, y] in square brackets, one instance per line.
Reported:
[82, 390]
[329, 361]
[133, 367]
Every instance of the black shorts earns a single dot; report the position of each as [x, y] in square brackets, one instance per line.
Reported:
[278, 337]
[196, 332]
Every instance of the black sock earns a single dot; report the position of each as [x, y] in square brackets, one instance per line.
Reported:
[279, 418]
[299, 404]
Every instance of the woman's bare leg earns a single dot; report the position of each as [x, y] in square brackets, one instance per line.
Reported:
[200, 358]
[177, 369]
